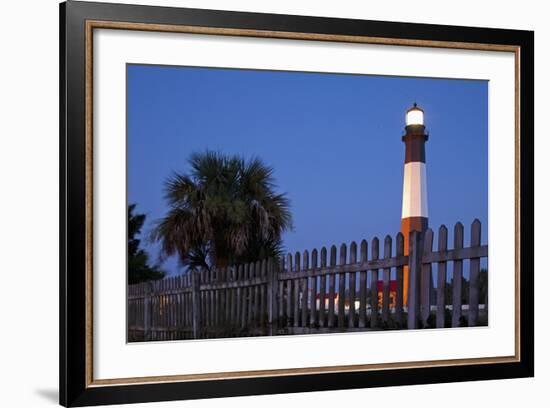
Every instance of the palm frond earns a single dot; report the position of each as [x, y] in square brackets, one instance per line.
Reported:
[223, 211]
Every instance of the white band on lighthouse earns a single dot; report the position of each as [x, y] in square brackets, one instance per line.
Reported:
[415, 195]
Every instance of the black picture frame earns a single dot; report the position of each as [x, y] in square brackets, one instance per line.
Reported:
[75, 389]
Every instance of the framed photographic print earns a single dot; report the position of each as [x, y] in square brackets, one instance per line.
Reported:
[256, 203]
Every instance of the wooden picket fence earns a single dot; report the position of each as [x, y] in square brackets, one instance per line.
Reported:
[321, 291]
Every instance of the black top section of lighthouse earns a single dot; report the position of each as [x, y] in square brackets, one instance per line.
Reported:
[415, 135]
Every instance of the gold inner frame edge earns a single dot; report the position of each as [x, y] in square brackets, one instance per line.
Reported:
[97, 24]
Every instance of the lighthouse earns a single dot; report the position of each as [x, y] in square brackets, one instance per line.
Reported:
[414, 214]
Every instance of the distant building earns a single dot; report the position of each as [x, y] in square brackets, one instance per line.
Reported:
[393, 293]
[393, 296]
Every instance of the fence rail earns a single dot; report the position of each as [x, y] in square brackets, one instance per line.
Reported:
[322, 291]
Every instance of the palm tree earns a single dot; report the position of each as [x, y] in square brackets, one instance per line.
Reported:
[224, 212]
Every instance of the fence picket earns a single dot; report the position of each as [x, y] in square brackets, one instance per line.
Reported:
[457, 276]
[256, 305]
[441, 279]
[386, 281]
[473, 306]
[262, 290]
[239, 295]
[296, 291]
[305, 281]
[196, 304]
[352, 280]
[374, 286]
[148, 311]
[426, 279]
[331, 287]
[207, 322]
[415, 266]
[243, 310]
[280, 267]
[342, 288]
[289, 292]
[227, 298]
[232, 297]
[250, 295]
[313, 316]
[173, 309]
[272, 293]
[399, 295]
[363, 286]
[322, 290]
[252, 311]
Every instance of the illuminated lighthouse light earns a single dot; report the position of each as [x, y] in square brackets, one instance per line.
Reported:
[415, 116]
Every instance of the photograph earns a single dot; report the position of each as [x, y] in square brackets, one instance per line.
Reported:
[276, 203]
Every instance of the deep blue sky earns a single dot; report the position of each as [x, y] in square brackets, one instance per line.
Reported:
[334, 141]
